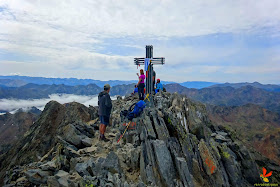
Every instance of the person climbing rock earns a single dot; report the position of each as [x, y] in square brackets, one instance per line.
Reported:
[159, 86]
[105, 107]
[141, 84]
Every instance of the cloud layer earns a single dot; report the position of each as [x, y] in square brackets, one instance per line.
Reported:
[12, 105]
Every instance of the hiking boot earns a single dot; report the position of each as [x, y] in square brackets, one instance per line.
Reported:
[102, 138]
[105, 139]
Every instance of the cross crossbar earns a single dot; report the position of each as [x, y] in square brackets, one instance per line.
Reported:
[141, 61]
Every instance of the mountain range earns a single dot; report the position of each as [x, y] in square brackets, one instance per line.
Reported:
[229, 96]
[215, 95]
[17, 81]
[268, 87]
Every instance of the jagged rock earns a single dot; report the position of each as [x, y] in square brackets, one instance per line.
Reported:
[222, 133]
[164, 161]
[231, 165]
[70, 135]
[71, 153]
[59, 180]
[88, 181]
[111, 163]
[86, 142]
[85, 168]
[93, 111]
[219, 138]
[149, 130]
[249, 167]
[173, 144]
[160, 127]
[210, 164]
[22, 181]
[213, 134]
[48, 166]
[85, 129]
[37, 176]
[183, 170]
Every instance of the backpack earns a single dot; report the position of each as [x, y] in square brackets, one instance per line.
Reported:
[133, 112]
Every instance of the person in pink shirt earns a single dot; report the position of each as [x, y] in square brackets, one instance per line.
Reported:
[141, 84]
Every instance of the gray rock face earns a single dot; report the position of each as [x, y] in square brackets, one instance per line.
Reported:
[86, 142]
[172, 144]
[111, 163]
[37, 176]
[164, 161]
[182, 168]
[85, 168]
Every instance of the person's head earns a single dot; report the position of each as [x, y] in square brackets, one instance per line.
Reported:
[158, 80]
[141, 71]
[135, 86]
[107, 87]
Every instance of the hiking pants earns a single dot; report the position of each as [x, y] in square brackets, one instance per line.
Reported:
[141, 91]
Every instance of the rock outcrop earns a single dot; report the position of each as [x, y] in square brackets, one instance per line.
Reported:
[171, 144]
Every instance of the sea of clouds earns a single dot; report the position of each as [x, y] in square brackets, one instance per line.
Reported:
[12, 105]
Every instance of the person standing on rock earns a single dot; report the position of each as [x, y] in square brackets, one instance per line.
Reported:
[105, 107]
[154, 80]
[141, 84]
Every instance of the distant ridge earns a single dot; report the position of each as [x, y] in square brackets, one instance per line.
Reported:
[65, 81]
[197, 84]
[229, 96]
[268, 87]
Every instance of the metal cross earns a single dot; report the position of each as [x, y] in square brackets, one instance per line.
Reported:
[141, 61]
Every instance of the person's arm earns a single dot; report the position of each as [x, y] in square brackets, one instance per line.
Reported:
[108, 102]
[139, 82]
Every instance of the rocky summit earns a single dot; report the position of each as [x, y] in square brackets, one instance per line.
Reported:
[171, 144]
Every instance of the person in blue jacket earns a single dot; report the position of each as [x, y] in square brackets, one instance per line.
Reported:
[158, 86]
[135, 90]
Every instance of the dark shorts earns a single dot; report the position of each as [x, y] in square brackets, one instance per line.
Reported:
[104, 120]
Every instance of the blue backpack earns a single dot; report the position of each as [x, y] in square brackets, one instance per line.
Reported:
[138, 108]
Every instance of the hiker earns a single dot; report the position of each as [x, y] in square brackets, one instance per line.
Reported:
[159, 86]
[154, 78]
[135, 90]
[141, 84]
[105, 106]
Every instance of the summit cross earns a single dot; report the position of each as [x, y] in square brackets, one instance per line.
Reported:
[149, 69]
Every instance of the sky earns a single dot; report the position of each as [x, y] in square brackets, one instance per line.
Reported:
[215, 40]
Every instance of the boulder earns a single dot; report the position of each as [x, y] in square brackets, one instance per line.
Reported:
[210, 164]
[111, 163]
[86, 142]
[85, 168]
[37, 176]
[164, 162]
[183, 170]
[48, 166]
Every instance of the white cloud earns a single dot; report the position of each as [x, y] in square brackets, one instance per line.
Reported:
[66, 36]
[14, 104]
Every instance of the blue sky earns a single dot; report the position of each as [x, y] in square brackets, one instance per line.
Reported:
[220, 41]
